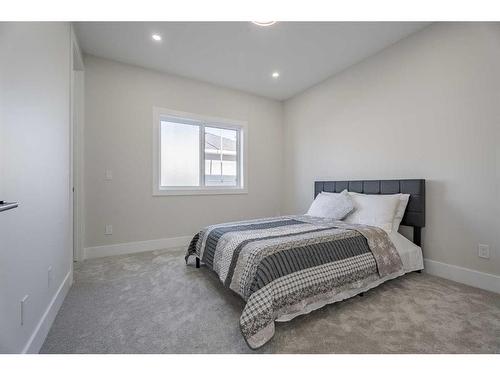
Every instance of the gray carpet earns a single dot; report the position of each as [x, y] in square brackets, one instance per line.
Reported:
[153, 303]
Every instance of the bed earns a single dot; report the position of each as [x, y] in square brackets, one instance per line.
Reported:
[290, 265]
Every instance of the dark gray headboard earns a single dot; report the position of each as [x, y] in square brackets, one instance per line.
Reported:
[415, 211]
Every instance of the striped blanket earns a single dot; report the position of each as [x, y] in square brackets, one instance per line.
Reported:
[284, 266]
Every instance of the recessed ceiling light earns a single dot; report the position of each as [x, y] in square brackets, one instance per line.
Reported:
[264, 23]
[156, 37]
[275, 74]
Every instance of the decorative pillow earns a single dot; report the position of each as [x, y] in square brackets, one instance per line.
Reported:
[373, 209]
[334, 206]
[400, 211]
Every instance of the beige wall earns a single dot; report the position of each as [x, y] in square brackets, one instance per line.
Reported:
[427, 107]
[119, 102]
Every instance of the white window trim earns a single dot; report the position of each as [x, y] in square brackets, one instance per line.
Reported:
[158, 113]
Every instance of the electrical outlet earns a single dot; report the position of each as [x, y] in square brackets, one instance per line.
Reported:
[49, 276]
[108, 230]
[483, 251]
[23, 308]
[108, 175]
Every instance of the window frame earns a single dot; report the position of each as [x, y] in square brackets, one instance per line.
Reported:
[202, 121]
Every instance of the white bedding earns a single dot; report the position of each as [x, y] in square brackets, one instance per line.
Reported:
[411, 254]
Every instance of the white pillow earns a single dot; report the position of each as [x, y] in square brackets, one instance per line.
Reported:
[400, 211]
[373, 209]
[331, 205]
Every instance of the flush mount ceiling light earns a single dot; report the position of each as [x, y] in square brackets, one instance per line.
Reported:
[275, 74]
[156, 37]
[264, 23]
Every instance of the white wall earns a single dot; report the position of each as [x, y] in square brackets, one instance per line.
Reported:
[119, 101]
[34, 169]
[426, 107]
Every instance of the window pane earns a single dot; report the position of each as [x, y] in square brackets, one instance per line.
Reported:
[220, 157]
[180, 154]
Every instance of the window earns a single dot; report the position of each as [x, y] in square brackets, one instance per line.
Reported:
[197, 155]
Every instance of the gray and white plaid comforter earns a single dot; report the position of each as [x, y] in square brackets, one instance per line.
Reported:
[282, 265]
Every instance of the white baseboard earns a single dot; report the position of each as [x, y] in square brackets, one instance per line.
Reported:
[463, 275]
[37, 339]
[135, 247]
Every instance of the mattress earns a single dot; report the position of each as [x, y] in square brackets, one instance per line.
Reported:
[411, 254]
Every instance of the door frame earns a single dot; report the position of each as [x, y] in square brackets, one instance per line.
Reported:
[77, 229]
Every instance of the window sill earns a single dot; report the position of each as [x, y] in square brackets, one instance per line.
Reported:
[209, 191]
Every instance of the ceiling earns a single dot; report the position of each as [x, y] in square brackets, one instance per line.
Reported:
[242, 55]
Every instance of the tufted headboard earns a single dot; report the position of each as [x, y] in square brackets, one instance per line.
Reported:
[415, 211]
